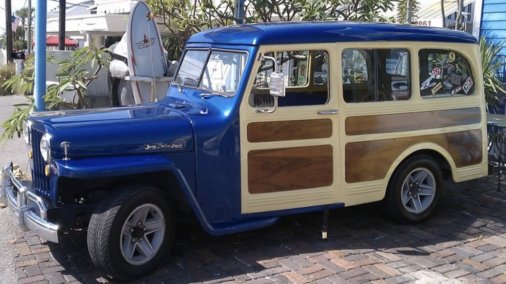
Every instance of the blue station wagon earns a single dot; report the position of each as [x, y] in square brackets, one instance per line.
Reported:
[261, 121]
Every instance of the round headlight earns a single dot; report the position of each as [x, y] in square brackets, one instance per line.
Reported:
[27, 132]
[45, 147]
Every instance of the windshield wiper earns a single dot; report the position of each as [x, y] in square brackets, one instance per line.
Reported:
[208, 95]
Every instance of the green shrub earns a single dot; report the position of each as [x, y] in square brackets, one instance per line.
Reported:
[6, 72]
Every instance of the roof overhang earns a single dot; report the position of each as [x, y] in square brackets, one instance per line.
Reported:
[101, 24]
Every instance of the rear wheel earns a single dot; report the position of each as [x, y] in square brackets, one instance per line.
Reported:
[130, 232]
[414, 190]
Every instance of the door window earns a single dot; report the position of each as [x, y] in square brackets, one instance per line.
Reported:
[307, 72]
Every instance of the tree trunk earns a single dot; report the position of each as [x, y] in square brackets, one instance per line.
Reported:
[443, 13]
[460, 8]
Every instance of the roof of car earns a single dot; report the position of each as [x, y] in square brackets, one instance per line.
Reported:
[314, 32]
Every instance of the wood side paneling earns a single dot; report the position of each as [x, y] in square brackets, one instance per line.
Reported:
[371, 160]
[289, 130]
[411, 121]
[287, 169]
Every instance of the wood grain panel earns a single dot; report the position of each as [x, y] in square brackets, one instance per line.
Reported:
[411, 121]
[289, 130]
[287, 169]
[367, 161]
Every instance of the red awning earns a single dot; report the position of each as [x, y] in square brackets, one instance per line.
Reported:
[53, 41]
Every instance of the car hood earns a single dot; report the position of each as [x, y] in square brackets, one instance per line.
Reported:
[114, 131]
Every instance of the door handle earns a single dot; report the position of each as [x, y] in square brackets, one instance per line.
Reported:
[328, 111]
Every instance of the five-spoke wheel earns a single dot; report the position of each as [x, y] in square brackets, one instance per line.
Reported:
[130, 232]
[414, 189]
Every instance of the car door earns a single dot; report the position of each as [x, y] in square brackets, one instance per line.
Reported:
[289, 152]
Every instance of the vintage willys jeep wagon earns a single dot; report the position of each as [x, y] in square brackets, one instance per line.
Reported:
[261, 121]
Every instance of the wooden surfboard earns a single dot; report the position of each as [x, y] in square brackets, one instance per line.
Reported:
[146, 58]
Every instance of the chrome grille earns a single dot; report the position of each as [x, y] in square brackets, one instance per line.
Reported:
[40, 181]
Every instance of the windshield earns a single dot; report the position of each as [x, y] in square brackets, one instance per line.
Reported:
[217, 72]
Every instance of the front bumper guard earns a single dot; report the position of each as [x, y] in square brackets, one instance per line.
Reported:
[30, 210]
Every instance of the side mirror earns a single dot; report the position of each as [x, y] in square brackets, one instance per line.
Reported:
[277, 85]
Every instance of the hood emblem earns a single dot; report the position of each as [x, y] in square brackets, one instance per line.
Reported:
[65, 145]
[162, 146]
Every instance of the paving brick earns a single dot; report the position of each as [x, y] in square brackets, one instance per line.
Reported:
[390, 271]
[491, 273]
[336, 279]
[426, 261]
[296, 262]
[365, 278]
[31, 279]
[268, 272]
[482, 257]
[456, 273]
[488, 248]
[53, 269]
[475, 264]
[399, 279]
[40, 249]
[69, 278]
[389, 256]
[478, 223]
[330, 266]
[294, 277]
[24, 263]
[20, 258]
[352, 273]
[32, 270]
[319, 274]
[318, 258]
[345, 264]
[280, 279]
[499, 278]
[398, 264]
[410, 268]
[497, 241]
[33, 240]
[23, 249]
[20, 272]
[496, 261]
[54, 277]
[466, 251]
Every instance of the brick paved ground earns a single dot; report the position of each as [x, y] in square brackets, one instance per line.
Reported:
[465, 241]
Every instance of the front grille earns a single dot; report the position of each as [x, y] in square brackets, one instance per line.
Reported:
[41, 183]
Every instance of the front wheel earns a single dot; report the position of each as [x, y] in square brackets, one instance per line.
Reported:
[130, 232]
[414, 190]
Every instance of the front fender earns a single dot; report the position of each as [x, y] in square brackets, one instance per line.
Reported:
[113, 166]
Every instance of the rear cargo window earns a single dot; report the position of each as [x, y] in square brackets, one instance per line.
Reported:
[444, 73]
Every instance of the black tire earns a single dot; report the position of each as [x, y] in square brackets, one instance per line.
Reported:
[105, 231]
[415, 207]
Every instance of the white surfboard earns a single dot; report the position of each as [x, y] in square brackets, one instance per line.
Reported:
[145, 55]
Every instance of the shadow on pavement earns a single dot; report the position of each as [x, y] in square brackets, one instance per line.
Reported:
[471, 210]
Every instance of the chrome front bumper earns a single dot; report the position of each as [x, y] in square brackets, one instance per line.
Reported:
[29, 209]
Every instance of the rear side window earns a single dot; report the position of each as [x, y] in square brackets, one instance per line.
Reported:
[444, 73]
[373, 75]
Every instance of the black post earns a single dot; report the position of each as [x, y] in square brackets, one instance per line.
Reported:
[8, 31]
[61, 34]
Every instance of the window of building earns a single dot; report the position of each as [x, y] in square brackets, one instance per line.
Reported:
[373, 75]
[444, 73]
